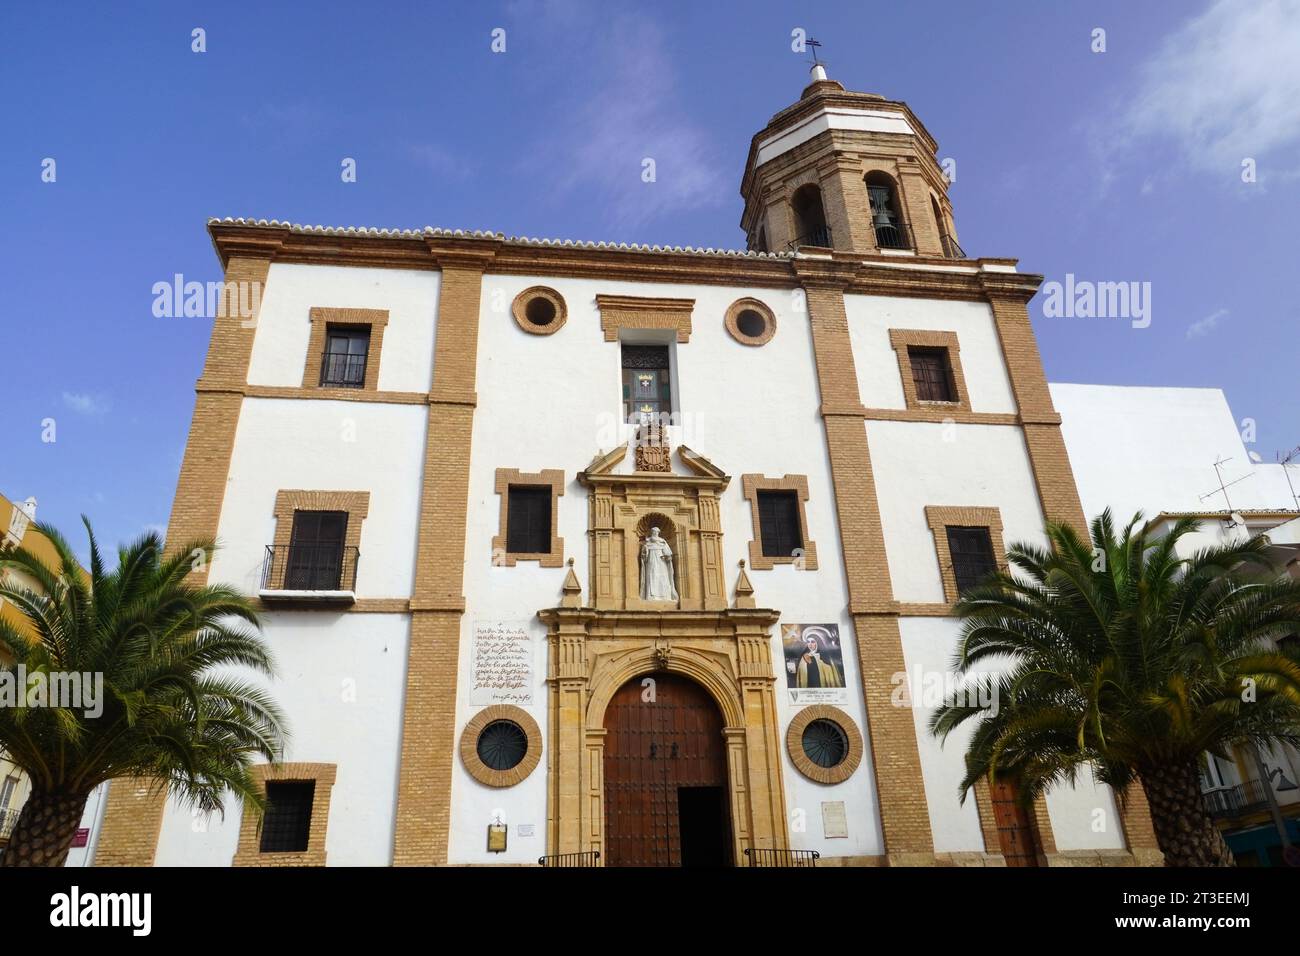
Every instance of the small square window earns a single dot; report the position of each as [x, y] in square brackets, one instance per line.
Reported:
[528, 519]
[932, 374]
[286, 827]
[778, 520]
[346, 350]
[971, 550]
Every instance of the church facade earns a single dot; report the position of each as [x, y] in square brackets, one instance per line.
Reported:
[626, 555]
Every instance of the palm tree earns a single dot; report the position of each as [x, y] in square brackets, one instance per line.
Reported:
[174, 709]
[1131, 661]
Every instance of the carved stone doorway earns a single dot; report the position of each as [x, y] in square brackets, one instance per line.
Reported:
[665, 776]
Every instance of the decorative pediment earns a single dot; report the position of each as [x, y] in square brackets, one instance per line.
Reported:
[698, 463]
[628, 556]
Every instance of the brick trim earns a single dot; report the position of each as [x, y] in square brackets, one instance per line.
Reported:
[794, 744]
[133, 810]
[895, 751]
[322, 317]
[469, 746]
[940, 518]
[901, 339]
[619, 312]
[249, 853]
[355, 503]
[751, 485]
[519, 308]
[550, 477]
[423, 818]
[732, 318]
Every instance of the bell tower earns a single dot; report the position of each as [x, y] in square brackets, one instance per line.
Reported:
[853, 172]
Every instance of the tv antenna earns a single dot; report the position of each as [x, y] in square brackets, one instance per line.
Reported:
[1233, 518]
[1285, 461]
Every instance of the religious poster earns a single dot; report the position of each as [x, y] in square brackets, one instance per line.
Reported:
[814, 664]
[503, 663]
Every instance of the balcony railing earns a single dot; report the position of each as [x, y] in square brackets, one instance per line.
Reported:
[587, 858]
[818, 237]
[1244, 798]
[343, 371]
[893, 235]
[951, 249]
[314, 573]
[8, 820]
[782, 858]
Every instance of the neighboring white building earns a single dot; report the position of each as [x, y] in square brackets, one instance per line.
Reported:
[1155, 450]
[417, 454]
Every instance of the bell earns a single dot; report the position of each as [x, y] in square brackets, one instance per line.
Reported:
[882, 217]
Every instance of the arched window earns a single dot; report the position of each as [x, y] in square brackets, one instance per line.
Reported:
[762, 240]
[950, 247]
[887, 212]
[809, 217]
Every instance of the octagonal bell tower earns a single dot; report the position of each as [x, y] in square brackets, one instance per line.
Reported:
[848, 171]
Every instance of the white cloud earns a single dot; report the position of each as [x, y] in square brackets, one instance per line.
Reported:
[1225, 86]
[84, 404]
[634, 112]
[1205, 326]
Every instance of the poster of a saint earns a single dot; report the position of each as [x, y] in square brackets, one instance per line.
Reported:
[814, 663]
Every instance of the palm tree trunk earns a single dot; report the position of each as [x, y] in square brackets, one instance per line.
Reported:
[1185, 832]
[45, 829]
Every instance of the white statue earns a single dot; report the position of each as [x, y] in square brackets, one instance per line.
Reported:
[657, 569]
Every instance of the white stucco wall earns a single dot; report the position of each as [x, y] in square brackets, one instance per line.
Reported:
[879, 381]
[285, 444]
[1167, 440]
[917, 464]
[284, 323]
[555, 402]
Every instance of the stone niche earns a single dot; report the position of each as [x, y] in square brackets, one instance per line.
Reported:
[623, 509]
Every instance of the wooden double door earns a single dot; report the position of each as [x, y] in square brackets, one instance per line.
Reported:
[666, 796]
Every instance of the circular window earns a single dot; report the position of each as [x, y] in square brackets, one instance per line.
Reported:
[824, 744]
[750, 322]
[501, 745]
[539, 310]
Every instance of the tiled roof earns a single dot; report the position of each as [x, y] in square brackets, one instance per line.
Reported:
[370, 232]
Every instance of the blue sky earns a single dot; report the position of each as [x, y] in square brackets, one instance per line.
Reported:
[1116, 166]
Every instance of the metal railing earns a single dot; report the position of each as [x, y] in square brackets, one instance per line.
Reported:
[297, 567]
[587, 858]
[1244, 798]
[8, 820]
[951, 249]
[893, 235]
[818, 237]
[782, 858]
[343, 371]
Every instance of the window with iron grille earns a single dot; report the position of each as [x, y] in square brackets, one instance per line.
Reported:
[971, 550]
[344, 363]
[932, 374]
[286, 826]
[778, 520]
[315, 561]
[647, 384]
[528, 519]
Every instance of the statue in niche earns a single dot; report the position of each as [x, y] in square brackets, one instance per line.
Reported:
[657, 569]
